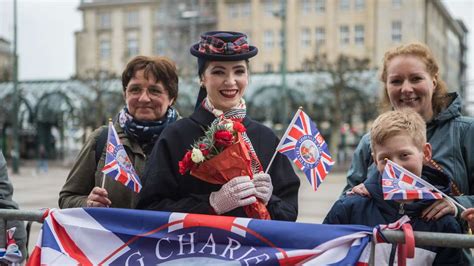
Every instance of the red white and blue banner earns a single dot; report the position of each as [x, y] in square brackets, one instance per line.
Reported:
[96, 236]
[306, 147]
[400, 184]
[117, 164]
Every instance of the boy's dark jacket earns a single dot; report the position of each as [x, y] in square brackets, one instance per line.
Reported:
[375, 210]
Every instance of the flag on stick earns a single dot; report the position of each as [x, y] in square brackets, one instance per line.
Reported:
[305, 146]
[117, 164]
[400, 184]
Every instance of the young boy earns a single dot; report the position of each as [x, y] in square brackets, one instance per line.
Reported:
[401, 137]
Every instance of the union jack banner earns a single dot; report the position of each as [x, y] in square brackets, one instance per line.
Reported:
[400, 184]
[305, 146]
[117, 164]
[113, 236]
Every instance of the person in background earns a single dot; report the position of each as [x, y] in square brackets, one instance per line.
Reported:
[400, 136]
[412, 79]
[223, 69]
[150, 88]
[6, 202]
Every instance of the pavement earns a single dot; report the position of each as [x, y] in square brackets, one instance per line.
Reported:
[35, 190]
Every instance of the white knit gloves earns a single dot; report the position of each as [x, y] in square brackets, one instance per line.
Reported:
[263, 186]
[238, 192]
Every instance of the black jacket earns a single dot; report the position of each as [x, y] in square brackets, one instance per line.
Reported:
[375, 210]
[165, 189]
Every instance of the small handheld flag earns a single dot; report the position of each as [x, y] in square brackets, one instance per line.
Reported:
[396, 172]
[117, 164]
[305, 146]
[400, 184]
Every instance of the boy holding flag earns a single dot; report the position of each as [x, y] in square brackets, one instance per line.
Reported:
[400, 136]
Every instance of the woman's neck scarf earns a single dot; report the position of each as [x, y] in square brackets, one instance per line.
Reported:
[145, 132]
[238, 113]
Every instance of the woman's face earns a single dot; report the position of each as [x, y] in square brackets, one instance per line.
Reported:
[146, 99]
[410, 85]
[225, 83]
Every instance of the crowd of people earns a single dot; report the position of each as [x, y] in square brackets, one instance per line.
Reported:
[420, 127]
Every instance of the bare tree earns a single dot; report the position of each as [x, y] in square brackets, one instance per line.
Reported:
[346, 89]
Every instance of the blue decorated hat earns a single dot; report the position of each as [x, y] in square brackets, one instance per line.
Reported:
[223, 46]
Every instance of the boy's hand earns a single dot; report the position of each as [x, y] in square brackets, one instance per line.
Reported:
[439, 209]
[468, 215]
[359, 190]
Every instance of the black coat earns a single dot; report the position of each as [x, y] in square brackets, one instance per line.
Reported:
[375, 210]
[165, 189]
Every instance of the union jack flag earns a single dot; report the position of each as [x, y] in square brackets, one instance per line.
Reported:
[305, 146]
[400, 184]
[117, 164]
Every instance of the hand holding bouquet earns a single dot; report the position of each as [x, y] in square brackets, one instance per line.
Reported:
[219, 156]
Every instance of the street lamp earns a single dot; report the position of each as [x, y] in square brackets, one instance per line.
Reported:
[284, 109]
[16, 142]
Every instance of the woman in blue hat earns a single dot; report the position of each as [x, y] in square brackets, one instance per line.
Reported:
[223, 69]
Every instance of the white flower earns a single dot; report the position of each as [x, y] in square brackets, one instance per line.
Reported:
[229, 126]
[197, 156]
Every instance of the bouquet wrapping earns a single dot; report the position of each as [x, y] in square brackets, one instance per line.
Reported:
[221, 155]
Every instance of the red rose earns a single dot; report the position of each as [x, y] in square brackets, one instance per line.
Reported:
[204, 149]
[186, 163]
[223, 138]
[239, 127]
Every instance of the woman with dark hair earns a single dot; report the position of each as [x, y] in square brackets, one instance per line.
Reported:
[150, 88]
[224, 76]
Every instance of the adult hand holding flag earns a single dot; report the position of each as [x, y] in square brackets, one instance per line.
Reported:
[303, 144]
[117, 164]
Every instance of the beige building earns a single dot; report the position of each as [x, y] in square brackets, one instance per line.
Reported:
[115, 30]
[6, 60]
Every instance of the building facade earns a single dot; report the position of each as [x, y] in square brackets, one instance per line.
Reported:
[6, 60]
[115, 30]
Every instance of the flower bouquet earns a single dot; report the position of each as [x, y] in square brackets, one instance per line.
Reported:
[220, 155]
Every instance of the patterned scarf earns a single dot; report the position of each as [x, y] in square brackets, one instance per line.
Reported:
[145, 132]
[238, 113]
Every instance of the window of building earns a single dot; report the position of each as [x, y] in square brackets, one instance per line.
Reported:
[305, 37]
[159, 16]
[131, 18]
[320, 6]
[396, 31]
[233, 10]
[344, 4]
[344, 37]
[268, 8]
[104, 49]
[159, 43]
[306, 6]
[359, 34]
[359, 4]
[396, 3]
[132, 45]
[268, 67]
[320, 35]
[105, 20]
[246, 9]
[268, 39]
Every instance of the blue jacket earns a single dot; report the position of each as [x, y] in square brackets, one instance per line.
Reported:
[451, 136]
[375, 210]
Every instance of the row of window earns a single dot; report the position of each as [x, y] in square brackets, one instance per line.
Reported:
[269, 7]
[105, 19]
[270, 39]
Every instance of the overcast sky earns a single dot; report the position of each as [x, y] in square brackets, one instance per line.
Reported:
[46, 44]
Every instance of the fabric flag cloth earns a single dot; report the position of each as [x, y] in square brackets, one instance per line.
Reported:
[400, 184]
[10, 254]
[139, 237]
[306, 147]
[117, 164]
